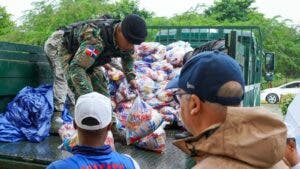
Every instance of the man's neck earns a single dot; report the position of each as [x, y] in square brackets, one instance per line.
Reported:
[93, 141]
[209, 118]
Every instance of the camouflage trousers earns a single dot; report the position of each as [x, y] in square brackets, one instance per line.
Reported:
[61, 90]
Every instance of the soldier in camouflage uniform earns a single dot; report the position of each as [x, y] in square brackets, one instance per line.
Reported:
[61, 91]
[97, 42]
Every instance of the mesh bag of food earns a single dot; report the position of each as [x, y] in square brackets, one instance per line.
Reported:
[155, 141]
[141, 121]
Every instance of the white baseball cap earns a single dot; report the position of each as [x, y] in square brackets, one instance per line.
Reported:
[93, 111]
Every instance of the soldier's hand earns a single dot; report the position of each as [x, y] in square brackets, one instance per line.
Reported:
[133, 84]
[107, 66]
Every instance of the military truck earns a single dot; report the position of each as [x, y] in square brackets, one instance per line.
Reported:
[26, 65]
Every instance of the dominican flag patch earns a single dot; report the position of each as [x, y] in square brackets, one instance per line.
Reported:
[92, 52]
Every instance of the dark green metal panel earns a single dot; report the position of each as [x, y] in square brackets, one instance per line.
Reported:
[20, 66]
[20, 47]
[9, 164]
[20, 56]
[14, 68]
[4, 100]
[10, 86]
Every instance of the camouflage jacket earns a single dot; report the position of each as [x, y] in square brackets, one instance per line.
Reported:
[92, 52]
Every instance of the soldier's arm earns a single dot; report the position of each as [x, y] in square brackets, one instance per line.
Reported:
[116, 64]
[88, 51]
[128, 66]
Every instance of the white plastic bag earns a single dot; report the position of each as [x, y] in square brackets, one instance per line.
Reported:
[141, 121]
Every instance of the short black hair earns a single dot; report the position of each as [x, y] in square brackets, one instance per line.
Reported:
[90, 121]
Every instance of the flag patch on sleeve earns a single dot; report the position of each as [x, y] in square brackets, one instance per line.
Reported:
[92, 52]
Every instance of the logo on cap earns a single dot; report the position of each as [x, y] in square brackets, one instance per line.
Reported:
[189, 86]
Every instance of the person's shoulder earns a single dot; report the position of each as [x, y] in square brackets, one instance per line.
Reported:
[58, 164]
[221, 162]
[129, 158]
[120, 155]
[65, 164]
[135, 163]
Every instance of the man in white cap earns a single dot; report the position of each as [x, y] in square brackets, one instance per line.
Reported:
[93, 120]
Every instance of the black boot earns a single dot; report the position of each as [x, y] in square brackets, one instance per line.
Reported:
[182, 135]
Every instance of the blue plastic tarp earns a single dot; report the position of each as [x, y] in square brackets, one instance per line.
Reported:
[28, 116]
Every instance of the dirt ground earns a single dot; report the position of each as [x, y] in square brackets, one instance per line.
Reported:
[274, 108]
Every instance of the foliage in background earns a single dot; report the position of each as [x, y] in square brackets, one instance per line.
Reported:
[125, 7]
[6, 24]
[232, 10]
[285, 101]
[47, 16]
[279, 79]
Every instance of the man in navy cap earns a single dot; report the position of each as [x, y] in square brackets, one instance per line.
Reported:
[78, 51]
[225, 135]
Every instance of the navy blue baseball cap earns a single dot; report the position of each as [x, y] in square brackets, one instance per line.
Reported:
[207, 72]
[173, 83]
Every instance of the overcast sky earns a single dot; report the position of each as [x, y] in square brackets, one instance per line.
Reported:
[288, 9]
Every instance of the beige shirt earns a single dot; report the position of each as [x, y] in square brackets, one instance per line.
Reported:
[250, 138]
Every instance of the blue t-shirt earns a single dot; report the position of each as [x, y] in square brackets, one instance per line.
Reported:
[95, 157]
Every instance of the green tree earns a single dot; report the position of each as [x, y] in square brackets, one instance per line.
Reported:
[6, 24]
[230, 10]
[125, 7]
[46, 16]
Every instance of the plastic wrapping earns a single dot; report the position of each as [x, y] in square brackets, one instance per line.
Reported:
[151, 52]
[28, 116]
[175, 56]
[146, 71]
[169, 114]
[115, 74]
[147, 85]
[163, 65]
[113, 87]
[122, 111]
[165, 95]
[124, 92]
[174, 73]
[155, 141]
[156, 103]
[110, 140]
[139, 64]
[141, 121]
[176, 51]
[66, 131]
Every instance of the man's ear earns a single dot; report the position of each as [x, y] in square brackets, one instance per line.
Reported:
[119, 29]
[291, 144]
[195, 104]
[109, 126]
[75, 125]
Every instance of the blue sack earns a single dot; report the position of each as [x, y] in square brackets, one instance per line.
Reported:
[66, 115]
[28, 116]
